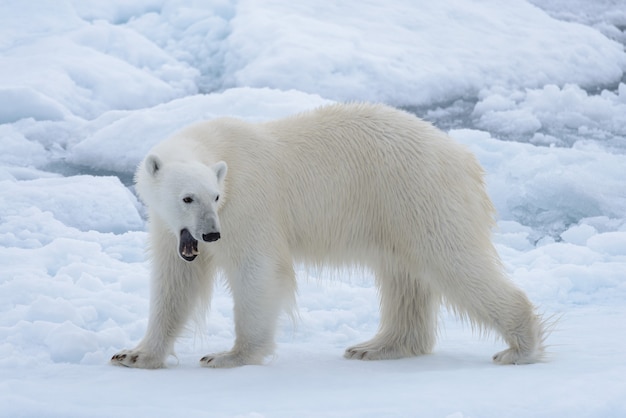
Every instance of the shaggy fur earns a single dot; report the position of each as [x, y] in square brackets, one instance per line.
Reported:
[343, 185]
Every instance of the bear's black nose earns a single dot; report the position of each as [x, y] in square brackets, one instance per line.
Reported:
[210, 237]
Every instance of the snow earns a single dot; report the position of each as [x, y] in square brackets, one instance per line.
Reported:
[535, 89]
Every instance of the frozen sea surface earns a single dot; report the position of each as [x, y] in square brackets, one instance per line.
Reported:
[535, 89]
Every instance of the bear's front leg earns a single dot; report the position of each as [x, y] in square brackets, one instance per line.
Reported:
[176, 288]
[259, 294]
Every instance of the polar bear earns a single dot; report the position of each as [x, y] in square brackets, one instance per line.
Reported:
[343, 185]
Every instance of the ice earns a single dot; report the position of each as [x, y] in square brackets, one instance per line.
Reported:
[459, 48]
[75, 53]
[75, 201]
[136, 132]
[579, 234]
[27, 102]
[555, 116]
[535, 89]
[18, 151]
[193, 33]
[612, 243]
[560, 186]
[599, 14]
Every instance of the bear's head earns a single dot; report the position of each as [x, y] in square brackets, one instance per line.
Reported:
[186, 196]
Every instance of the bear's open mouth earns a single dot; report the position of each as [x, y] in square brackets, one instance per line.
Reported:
[188, 247]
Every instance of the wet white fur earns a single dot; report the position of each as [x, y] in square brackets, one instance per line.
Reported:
[354, 184]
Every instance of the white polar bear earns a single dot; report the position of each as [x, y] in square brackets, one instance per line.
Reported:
[353, 184]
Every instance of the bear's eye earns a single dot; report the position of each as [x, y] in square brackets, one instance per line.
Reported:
[187, 199]
[217, 198]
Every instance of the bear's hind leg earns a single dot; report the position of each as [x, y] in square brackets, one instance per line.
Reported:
[489, 299]
[408, 319]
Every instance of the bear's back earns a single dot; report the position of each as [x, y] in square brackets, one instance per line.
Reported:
[371, 173]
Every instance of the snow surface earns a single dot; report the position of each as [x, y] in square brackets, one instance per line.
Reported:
[536, 89]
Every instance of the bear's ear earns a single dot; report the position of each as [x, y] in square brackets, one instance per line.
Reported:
[220, 169]
[153, 164]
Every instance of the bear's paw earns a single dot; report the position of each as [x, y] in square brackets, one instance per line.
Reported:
[227, 359]
[137, 358]
[373, 350]
[515, 356]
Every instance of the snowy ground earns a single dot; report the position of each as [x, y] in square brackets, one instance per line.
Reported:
[537, 91]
